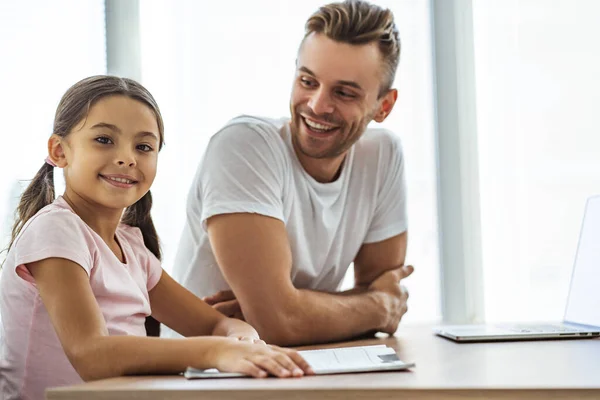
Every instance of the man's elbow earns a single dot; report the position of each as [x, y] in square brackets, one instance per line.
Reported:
[280, 336]
[280, 327]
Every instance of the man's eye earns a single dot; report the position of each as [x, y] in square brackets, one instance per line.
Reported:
[103, 140]
[344, 94]
[144, 148]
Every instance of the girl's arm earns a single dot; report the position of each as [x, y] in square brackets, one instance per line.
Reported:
[179, 309]
[65, 290]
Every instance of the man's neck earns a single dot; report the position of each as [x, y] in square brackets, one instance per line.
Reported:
[323, 170]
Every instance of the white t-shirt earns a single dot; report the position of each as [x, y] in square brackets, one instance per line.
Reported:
[250, 166]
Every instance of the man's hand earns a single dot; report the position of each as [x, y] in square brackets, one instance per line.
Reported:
[226, 303]
[394, 296]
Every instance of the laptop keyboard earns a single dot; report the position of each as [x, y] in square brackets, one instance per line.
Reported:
[542, 329]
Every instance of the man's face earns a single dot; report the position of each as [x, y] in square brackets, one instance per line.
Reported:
[334, 95]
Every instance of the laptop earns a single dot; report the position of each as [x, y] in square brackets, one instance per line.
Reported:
[582, 312]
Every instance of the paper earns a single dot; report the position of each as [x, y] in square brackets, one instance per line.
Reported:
[331, 361]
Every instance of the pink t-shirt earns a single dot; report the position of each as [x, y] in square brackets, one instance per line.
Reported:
[32, 358]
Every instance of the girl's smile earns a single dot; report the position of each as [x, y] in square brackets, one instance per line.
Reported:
[119, 180]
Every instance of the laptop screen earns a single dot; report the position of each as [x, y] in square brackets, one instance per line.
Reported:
[583, 304]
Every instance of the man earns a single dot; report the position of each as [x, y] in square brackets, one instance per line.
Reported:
[280, 208]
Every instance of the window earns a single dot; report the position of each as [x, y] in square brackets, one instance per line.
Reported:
[45, 48]
[537, 96]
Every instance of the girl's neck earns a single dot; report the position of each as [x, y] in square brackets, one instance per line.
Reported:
[102, 220]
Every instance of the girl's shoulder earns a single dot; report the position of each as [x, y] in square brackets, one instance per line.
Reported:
[55, 219]
[135, 241]
[55, 231]
[133, 236]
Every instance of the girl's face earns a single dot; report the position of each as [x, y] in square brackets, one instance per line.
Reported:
[110, 157]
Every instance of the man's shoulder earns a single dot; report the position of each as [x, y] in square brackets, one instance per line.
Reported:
[248, 138]
[378, 140]
[250, 123]
[247, 131]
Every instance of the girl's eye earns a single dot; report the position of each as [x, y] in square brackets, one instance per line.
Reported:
[144, 148]
[103, 140]
[306, 82]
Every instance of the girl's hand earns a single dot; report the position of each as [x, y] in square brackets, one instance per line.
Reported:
[250, 339]
[259, 360]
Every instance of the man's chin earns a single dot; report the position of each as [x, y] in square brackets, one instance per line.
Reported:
[310, 150]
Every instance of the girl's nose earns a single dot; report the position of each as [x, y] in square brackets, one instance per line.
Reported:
[126, 158]
[131, 163]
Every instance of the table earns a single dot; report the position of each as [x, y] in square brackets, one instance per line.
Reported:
[556, 369]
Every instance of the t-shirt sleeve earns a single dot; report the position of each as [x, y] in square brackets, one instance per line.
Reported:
[242, 171]
[390, 217]
[153, 270]
[57, 234]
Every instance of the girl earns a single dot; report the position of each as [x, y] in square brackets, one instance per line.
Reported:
[83, 271]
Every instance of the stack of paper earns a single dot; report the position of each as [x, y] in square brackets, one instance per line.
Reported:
[331, 361]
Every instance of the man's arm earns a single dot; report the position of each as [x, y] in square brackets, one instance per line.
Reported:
[374, 259]
[254, 255]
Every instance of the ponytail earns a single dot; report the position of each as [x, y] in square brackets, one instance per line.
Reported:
[38, 195]
[138, 215]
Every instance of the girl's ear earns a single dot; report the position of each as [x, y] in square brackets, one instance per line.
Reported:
[56, 151]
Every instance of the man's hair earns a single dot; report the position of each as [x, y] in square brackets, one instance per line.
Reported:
[358, 22]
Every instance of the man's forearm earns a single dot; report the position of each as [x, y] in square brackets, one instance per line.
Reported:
[355, 290]
[317, 317]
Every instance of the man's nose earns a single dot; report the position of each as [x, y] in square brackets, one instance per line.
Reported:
[320, 102]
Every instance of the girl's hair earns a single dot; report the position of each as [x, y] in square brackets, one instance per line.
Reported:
[72, 109]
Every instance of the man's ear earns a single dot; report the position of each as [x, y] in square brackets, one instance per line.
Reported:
[387, 104]
[56, 151]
